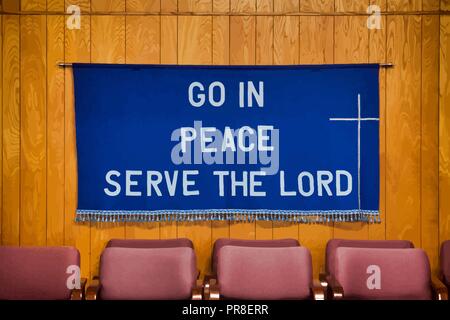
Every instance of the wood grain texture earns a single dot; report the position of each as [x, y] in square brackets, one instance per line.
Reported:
[106, 6]
[195, 5]
[317, 5]
[403, 129]
[404, 5]
[55, 126]
[55, 6]
[33, 96]
[10, 5]
[429, 183]
[143, 39]
[444, 131]
[445, 5]
[143, 5]
[85, 5]
[11, 131]
[33, 5]
[169, 6]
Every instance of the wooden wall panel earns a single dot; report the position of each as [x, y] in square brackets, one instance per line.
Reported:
[11, 131]
[403, 129]
[429, 171]
[55, 126]
[444, 130]
[143, 5]
[37, 117]
[33, 96]
[33, 5]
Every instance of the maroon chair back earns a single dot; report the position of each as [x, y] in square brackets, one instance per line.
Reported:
[387, 274]
[445, 262]
[36, 273]
[150, 243]
[332, 245]
[220, 243]
[264, 273]
[147, 274]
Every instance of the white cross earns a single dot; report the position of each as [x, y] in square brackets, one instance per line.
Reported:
[359, 119]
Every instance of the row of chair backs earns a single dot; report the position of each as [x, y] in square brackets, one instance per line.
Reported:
[37, 272]
[246, 269]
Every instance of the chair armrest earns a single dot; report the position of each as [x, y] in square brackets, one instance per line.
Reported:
[197, 291]
[208, 280]
[335, 290]
[323, 279]
[439, 289]
[78, 294]
[213, 291]
[93, 290]
[317, 291]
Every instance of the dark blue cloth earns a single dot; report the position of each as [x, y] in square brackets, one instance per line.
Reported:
[126, 115]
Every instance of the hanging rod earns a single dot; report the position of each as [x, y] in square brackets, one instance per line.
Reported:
[68, 64]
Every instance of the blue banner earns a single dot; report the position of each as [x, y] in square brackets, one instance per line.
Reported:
[184, 143]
